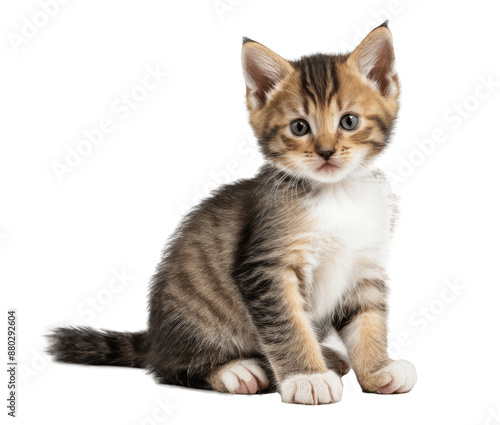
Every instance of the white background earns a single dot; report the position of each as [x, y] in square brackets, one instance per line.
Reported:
[62, 239]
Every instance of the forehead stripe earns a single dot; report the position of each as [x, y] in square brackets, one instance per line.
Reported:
[304, 78]
[318, 77]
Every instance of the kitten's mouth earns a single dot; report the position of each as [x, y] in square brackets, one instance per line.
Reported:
[328, 167]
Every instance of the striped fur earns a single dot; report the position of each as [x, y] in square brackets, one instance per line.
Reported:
[85, 345]
[275, 281]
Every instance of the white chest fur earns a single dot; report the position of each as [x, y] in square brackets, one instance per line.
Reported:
[349, 238]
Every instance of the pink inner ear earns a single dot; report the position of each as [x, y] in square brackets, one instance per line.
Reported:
[263, 82]
[376, 58]
[382, 67]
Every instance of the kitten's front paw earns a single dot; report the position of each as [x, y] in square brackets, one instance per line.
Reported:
[319, 388]
[397, 377]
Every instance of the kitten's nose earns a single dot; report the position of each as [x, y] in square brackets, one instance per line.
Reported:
[325, 154]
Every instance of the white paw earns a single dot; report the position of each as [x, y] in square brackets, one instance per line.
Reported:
[319, 388]
[243, 377]
[400, 376]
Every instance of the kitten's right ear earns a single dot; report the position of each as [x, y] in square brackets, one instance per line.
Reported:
[374, 59]
[263, 70]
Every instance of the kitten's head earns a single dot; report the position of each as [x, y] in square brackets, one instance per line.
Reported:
[324, 116]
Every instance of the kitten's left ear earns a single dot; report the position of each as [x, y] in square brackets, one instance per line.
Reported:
[263, 70]
[374, 59]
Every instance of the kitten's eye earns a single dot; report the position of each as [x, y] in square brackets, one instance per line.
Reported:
[299, 127]
[349, 122]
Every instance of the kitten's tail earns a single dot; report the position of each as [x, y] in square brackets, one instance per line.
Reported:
[84, 345]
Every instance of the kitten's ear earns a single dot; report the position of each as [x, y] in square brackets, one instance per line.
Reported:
[374, 59]
[263, 70]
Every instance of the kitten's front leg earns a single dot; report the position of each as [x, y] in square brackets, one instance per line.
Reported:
[366, 339]
[276, 305]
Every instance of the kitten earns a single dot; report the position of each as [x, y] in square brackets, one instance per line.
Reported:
[278, 282]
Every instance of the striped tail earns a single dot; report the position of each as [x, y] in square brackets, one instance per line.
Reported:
[84, 345]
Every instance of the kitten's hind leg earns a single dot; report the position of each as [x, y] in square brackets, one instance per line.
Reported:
[244, 376]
